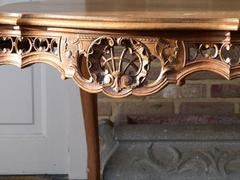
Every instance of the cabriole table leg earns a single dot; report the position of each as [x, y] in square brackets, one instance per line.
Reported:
[90, 115]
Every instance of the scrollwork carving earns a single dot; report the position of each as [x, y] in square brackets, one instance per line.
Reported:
[221, 58]
[23, 51]
[118, 63]
[213, 161]
[119, 66]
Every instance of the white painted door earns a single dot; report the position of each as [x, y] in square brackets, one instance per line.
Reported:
[41, 128]
[41, 124]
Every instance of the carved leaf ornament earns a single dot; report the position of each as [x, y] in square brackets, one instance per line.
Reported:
[211, 161]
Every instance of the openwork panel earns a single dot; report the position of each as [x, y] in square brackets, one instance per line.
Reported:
[23, 51]
[26, 45]
[120, 66]
[227, 53]
[118, 63]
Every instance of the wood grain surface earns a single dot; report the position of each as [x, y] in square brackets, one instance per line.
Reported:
[127, 15]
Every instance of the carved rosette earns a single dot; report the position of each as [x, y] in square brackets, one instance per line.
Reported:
[118, 64]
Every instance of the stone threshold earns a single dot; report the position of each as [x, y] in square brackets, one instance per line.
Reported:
[163, 147]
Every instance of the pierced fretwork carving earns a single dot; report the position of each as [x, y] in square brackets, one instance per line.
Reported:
[23, 51]
[227, 53]
[230, 54]
[25, 45]
[118, 63]
[121, 66]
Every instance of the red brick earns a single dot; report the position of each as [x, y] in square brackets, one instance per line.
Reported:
[225, 91]
[206, 108]
[104, 108]
[145, 108]
[102, 95]
[153, 73]
[160, 108]
[185, 91]
[204, 75]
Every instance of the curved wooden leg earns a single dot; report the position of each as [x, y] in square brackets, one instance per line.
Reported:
[89, 106]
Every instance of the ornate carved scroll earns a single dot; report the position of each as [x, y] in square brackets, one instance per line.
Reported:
[118, 71]
[118, 65]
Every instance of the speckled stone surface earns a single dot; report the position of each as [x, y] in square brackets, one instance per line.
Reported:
[155, 151]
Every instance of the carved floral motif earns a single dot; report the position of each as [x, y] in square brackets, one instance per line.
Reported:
[213, 161]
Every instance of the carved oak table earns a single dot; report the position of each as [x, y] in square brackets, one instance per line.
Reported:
[108, 46]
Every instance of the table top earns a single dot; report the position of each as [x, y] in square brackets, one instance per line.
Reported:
[125, 14]
[53, 32]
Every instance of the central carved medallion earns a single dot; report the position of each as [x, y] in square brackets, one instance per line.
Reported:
[118, 63]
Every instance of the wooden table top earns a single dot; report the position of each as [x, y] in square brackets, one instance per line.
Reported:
[78, 38]
[125, 14]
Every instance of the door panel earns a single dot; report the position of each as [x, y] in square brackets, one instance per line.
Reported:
[18, 101]
[35, 141]
[25, 103]
[41, 123]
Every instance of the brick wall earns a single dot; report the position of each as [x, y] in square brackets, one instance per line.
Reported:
[204, 93]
